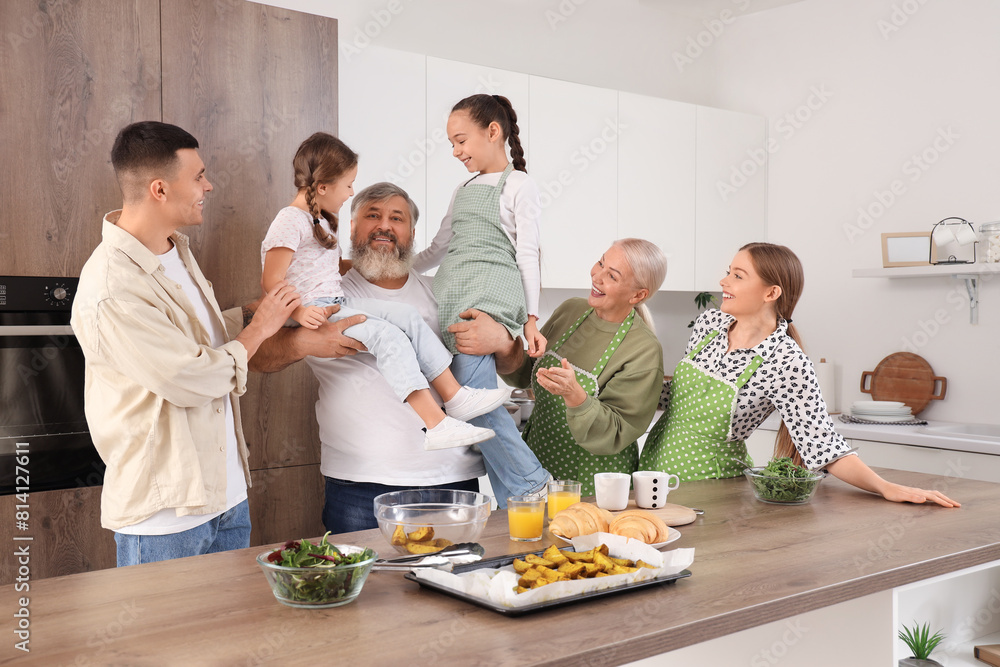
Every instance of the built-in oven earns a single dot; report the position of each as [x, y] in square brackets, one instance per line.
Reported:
[41, 390]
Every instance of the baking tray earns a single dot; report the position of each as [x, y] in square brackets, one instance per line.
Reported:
[501, 561]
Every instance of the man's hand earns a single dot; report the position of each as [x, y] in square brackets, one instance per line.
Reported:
[288, 345]
[329, 340]
[479, 334]
[271, 313]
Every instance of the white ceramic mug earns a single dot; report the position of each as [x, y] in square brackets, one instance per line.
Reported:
[612, 490]
[652, 487]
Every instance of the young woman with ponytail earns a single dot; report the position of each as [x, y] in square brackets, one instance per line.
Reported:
[301, 247]
[744, 361]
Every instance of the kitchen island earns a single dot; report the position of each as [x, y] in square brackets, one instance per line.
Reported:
[756, 565]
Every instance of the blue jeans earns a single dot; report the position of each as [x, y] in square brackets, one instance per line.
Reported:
[513, 468]
[230, 530]
[350, 506]
[407, 351]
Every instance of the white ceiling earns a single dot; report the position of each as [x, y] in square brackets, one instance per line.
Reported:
[706, 9]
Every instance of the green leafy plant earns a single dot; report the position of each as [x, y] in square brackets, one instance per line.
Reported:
[703, 300]
[781, 481]
[920, 641]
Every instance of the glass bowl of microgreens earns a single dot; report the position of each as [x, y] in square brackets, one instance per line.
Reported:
[318, 576]
[781, 482]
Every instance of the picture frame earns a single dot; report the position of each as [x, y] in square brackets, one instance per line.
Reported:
[906, 249]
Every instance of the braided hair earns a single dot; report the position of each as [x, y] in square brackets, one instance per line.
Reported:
[485, 109]
[322, 159]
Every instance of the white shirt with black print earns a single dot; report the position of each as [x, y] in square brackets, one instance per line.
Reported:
[786, 381]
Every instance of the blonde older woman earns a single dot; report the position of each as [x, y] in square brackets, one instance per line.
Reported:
[597, 386]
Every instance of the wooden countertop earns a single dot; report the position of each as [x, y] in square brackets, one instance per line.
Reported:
[754, 563]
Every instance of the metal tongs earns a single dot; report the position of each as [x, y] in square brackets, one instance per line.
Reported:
[446, 559]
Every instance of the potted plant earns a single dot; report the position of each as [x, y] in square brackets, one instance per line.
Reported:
[703, 300]
[920, 641]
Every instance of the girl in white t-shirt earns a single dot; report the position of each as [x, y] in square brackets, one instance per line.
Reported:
[301, 247]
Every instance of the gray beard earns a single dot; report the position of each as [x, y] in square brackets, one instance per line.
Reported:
[376, 265]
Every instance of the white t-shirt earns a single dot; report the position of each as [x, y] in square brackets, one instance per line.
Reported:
[166, 521]
[367, 434]
[520, 211]
[314, 271]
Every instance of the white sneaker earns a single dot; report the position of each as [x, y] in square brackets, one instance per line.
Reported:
[453, 433]
[469, 402]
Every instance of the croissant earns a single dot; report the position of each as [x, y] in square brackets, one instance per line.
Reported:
[580, 519]
[641, 525]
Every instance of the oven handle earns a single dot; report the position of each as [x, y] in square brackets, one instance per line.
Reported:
[37, 330]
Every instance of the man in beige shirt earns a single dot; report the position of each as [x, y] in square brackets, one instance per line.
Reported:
[162, 372]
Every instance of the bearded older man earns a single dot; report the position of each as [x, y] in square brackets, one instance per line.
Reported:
[371, 443]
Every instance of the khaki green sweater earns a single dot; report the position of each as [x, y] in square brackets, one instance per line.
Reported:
[629, 386]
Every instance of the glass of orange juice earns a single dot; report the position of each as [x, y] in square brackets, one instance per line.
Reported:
[525, 518]
[562, 494]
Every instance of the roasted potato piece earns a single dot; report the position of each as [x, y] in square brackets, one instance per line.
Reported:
[591, 569]
[538, 560]
[601, 574]
[574, 570]
[442, 542]
[605, 563]
[621, 569]
[620, 561]
[520, 566]
[521, 589]
[421, 548]
[539, 582]
[581, 556]
[398, 537]
[642, 563]
[553, 554]
[529, 577]
[422, 534]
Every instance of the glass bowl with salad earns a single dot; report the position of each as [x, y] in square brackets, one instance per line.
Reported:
[318, 576]
[781, 482]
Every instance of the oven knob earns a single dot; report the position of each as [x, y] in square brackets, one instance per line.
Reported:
[60, 294]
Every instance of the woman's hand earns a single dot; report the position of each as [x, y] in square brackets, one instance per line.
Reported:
[561, 381]
[908, 494]
[536, 341]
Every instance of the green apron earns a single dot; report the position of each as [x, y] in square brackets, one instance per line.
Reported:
[480, 269]
[689, 440]
[547, 431]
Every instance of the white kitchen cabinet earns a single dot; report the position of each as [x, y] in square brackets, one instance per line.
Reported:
[447, 83]
[657, 150]
[383, 119]
[574, 135]
[731, 190]
[760, 446]
[930, 460]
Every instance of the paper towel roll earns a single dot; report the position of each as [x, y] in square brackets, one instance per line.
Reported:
[827, 384]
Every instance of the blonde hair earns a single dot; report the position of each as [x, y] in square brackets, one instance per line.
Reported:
[322, 158]
[777, 265]
[649, 269]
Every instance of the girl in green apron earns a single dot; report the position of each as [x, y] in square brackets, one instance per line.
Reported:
[743, 362]
[597, 388]
[487, 248]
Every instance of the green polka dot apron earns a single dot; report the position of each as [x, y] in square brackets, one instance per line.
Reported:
[547, 430]
[479, 269]
[689, 440]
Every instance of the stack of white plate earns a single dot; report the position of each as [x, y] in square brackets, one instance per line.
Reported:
[881, 411]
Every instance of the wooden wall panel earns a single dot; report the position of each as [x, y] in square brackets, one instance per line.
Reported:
[66, 531]
[72, 74]
[279, 510]
[251, 82]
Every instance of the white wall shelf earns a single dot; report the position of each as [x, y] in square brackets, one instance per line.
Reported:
[968, 272]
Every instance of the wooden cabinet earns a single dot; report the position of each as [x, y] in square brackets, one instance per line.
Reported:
[657, 201]
[250, 82]
[574, 134]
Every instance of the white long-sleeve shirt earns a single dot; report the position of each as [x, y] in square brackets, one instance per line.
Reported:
[520, 212]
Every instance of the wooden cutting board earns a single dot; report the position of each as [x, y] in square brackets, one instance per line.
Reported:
[904, 377]
[672, 515]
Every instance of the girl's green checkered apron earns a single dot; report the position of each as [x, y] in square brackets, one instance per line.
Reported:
[547, 431]
[689, 440]
[479, 270]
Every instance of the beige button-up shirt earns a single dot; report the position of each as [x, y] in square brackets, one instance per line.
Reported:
[155, 388]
